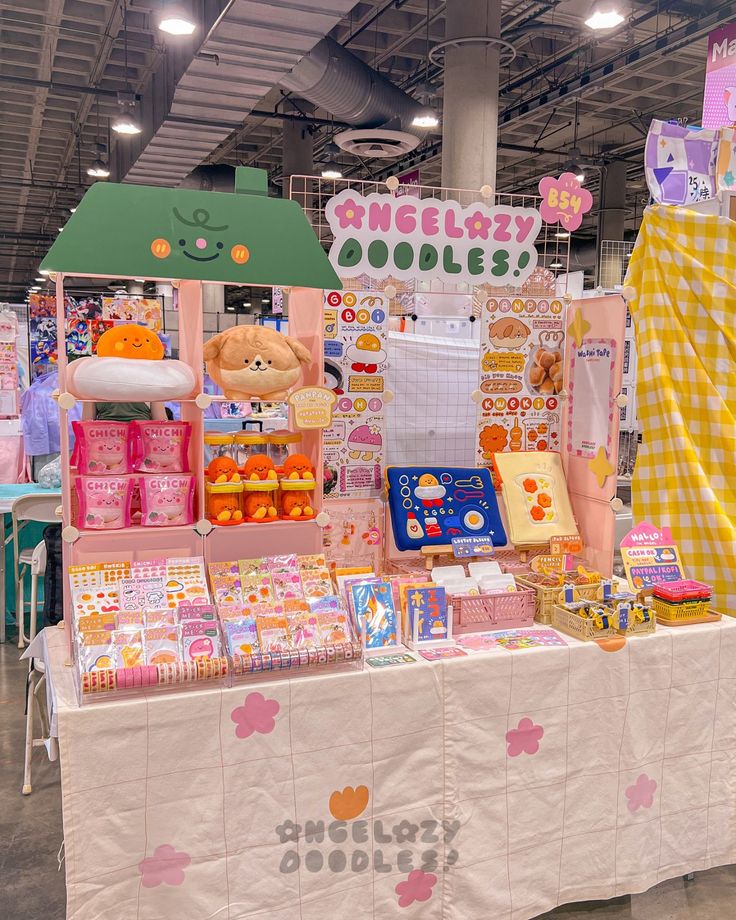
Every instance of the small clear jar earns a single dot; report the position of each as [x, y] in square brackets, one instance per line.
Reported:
[218, 444]
[281, 444]
[224, 503]
[248, 443]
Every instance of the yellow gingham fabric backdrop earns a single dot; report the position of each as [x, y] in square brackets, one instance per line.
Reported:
[683, 269]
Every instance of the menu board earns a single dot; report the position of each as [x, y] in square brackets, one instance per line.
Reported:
[521, 375]
[356, 341]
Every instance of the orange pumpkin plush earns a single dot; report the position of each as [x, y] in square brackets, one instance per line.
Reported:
[130, 341]
[259, 466]
[223, 469]
[296, 505]
[298, 466]
[224, 508]
[259, 506]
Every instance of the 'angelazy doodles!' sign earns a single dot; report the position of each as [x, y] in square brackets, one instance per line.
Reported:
[382, 235]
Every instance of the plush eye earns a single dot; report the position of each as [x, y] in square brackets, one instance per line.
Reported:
[245, 361]
[269, 362]
[182, 242]
[219, 245]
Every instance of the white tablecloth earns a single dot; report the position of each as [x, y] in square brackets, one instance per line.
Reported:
[559, 774]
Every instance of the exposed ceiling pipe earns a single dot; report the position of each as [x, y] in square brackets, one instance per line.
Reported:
[333, 78]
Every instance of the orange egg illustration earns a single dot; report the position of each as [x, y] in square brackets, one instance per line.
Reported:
[239, 254]
[130, 341]
[161, 248]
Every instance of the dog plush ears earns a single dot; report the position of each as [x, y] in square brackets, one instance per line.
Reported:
[213, 346]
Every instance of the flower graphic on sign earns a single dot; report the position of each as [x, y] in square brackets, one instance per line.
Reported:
[524, 739]
[564, 201]
[417, 887]
[478, 226]
[349, 214]
[166, 867]
[641, 793]
[257, 714]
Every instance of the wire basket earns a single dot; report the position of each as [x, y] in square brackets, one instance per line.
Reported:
[685, 610]
[639, 629]
[479, 612]
[583, 628]
[548, 595]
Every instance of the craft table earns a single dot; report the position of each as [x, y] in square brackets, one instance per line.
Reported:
[9, 492]
[527, 779]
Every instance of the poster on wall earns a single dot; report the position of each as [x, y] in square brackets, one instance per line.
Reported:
[521, 373]
[719, 98]
[356, 335]
[592, 365]
[143, 310]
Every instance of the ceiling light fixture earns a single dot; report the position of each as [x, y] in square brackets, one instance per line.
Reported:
[175, 18]
[72, 210]
[44, 271]
[41, 279]
[605, 14]
[98, 169]
[425, 117]
[562, 235]
[556, 265]
[125, 123]
[331, 169]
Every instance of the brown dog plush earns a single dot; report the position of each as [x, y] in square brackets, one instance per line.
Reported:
[255, 361]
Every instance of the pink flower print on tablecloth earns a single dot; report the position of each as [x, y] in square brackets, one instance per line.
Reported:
[477, 642]
[166, 867]
[417, 887]
[257, 714]
[478, 225]
[641, 793]
[350, 214]
[524, 739]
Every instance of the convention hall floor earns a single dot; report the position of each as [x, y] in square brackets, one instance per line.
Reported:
[32, 884]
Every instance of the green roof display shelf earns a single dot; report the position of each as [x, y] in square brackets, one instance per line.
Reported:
[245, 237]
[190, 238]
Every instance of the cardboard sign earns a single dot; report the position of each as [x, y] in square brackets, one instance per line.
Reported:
[462, 547]
[312, 407]
[387, 236]
[650, 557]
[560, 546]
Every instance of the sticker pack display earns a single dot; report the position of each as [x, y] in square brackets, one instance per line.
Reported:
[104, 502]
[102, 448]
[521, 375]
[162, 447]
[356, 361]
[431, 506]
[167, 500]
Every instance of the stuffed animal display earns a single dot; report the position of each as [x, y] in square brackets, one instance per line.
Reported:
[223, 469]
[296, 505]
[298, 466]
[224, 507]
[259, 466]
[130, 341]
[255, 361]
[259, 506]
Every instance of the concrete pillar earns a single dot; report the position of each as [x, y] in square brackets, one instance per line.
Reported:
[298, 152]
[213, 303]
[470, 109]
[611, 222]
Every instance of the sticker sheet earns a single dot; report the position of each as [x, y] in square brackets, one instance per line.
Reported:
[521, 375]
[356, 341]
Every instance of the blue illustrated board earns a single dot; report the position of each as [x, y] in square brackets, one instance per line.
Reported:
[430, 506]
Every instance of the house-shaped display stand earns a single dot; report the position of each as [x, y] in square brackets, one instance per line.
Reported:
[188, 237]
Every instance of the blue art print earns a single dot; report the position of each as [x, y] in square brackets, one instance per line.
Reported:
[430, 507]
[374, 609]
[428, 614]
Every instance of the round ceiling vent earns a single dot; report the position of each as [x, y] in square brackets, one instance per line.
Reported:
[376, 142]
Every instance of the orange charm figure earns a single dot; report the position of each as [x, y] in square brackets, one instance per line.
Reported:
[296, 506]
[259, 506]
[224, 508]
[298, 466]
[259, 466]
[223, 469]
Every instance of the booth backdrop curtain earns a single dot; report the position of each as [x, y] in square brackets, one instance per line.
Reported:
[683, 269]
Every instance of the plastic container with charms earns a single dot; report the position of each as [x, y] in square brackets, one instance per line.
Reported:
[224, 503]
[248, 444]
[260, 500]
[281, 444]
[297, 499]
[218, 444]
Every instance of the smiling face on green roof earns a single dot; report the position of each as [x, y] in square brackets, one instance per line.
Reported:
[243, 237]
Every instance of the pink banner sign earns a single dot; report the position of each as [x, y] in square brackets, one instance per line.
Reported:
[719, 99]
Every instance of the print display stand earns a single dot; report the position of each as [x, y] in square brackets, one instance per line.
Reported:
[248, 238]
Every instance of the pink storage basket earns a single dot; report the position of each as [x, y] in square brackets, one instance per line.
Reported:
[480, 612]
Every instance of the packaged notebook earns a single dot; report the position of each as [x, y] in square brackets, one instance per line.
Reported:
[376, 615]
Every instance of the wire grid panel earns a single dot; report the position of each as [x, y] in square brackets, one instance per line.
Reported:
[552, 243]
[614, 260]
